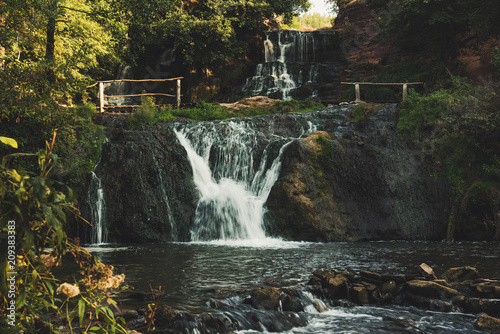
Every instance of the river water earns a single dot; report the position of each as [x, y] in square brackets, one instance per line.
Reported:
[192, 274]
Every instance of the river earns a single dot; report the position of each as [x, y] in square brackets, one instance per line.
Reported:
[193, 274]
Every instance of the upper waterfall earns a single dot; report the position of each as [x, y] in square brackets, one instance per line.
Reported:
[297, 65]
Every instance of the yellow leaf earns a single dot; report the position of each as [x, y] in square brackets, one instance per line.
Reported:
[8, 141]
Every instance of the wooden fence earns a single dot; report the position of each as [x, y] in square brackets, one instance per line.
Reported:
[358, 91]
[102, 96]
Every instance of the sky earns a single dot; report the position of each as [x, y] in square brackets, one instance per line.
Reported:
[319, 6]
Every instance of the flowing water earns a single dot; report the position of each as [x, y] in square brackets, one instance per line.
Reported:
[193, 274]
[235, 186]
[295, 60]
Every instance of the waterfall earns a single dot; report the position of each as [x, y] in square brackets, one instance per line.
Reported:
[119, 88]
[99, 233]
[97, 204]
[234, 176]
[297, 65]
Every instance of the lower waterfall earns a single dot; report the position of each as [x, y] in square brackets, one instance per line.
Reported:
[234, 170]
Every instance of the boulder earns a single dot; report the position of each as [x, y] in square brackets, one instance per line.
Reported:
[338, 287]
[265, 298]
[359, 294]
[165, 315]
[478, 305]
[320, 305]
[427, 271]
[460, 274]
[430, 289]
[485, 322]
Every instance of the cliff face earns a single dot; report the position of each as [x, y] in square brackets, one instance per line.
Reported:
[147, 184]
[340, 179]
[361, 181]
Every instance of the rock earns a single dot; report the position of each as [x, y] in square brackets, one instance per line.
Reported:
[433, 304]
[338, 287]
[130, 314]
[388, 287]
[371, 277]
[460, 274]
[427, 271]
[324, 275]
[265, 298]
[165, 315]
[430, 289]
[359, 294]
[478, 305]
[395, 278]
[291, 304]
[485, 322]
[320, 306]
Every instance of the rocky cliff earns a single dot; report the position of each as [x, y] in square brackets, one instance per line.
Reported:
[148, 188]
[342, 178]
[360, 180]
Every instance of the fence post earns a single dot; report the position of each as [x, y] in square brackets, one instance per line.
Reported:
[358, 93]
[101, 97]
[405, 91]
[178, 93]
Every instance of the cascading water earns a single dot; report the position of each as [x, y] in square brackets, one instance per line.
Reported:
[297, 64]
[119, 88]
[99, 232]
[234, 170]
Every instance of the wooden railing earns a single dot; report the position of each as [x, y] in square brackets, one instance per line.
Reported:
[358, 92]
[102, 96]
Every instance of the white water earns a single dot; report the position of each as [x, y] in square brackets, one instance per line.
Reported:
[99, 234]
[233, 194]
[119, 88]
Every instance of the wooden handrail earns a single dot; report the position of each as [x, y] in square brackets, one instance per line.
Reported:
[358, 93]
[102, 96]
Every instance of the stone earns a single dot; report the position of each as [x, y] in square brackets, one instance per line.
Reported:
[478, 305]
[430, 289]
[460, 274]
[427, 271]
[395, 278]
[320, 306]
[165, 315]
[359, 294]
[485, 322]
[433, 304]
[372, 277]
[324, 275]
[338, 287]
[265, 298]
[388, 287]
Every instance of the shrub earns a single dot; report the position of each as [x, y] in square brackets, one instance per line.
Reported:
[145, 113]
[86, 111]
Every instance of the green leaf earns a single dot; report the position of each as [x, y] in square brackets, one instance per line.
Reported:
[81, 311]
[20, 300]
[8, 141]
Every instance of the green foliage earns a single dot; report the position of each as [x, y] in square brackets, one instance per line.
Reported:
[496, 60]
[436, 24]
[419, 114]
[145, 113]
[310, 21]
[86, 111]
[33, 211]
[203, 111]
[325, 152]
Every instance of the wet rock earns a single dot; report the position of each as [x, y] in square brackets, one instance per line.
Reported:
[371, 277]
[485, 322]
[388, 287]
[320, 305]
[265, 298]
[359, 294]
[460, 274]
[338, 287]
[324, 275]
[427, 271]
[430, 289]
[165, 315]
[395, 278]
[433, 304]
[478, 305]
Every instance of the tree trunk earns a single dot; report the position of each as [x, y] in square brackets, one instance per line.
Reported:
[51, 39]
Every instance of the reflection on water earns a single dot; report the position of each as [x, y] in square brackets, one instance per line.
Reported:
[192, 273]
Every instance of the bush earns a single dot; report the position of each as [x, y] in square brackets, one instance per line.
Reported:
[86, 111]
[145, 113]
